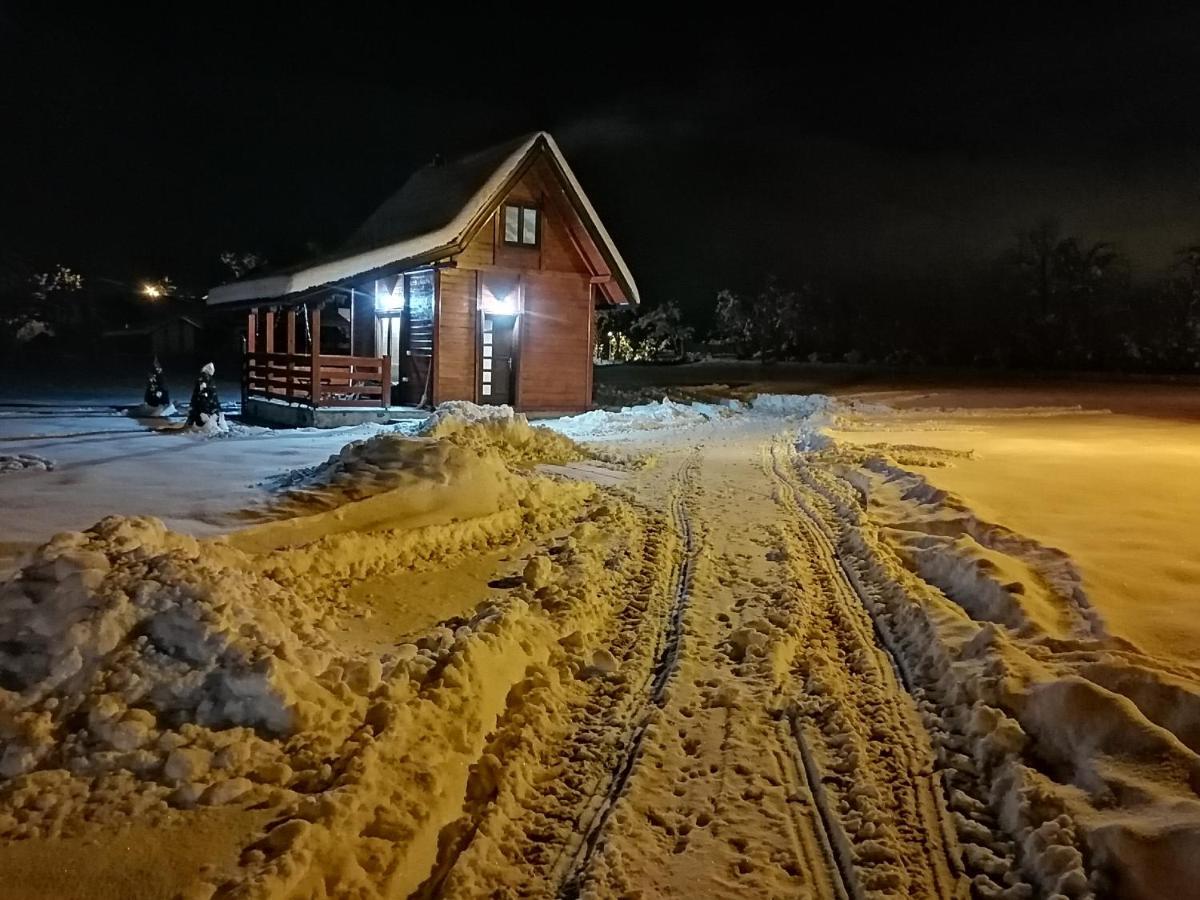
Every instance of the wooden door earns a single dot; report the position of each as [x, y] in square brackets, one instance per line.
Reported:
[416, 341]
[496, 359]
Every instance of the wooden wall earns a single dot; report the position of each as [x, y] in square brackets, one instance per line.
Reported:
[554, 350]
[454, 351]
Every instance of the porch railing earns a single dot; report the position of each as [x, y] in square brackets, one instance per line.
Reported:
[318, 380]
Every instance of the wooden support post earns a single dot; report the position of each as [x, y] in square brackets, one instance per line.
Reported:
[291, 351]
[269, 331]
[314, 319]
[385, 382]
[248, 360]
[291, 330]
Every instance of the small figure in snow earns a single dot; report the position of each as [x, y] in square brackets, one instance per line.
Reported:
[205, 407]
[157, 395]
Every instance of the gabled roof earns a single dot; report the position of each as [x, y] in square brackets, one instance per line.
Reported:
[157, 324]
[432, 217]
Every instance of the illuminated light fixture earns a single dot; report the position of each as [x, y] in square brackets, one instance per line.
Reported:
[153, 291]
[389, 301]
[499, 305]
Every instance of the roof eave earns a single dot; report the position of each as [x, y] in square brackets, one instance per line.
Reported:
[229, 299]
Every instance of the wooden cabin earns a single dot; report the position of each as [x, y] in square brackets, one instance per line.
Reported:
[476, 281]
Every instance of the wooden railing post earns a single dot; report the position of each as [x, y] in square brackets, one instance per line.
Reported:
[291, 351]
[385, 382]
[247, 361]
[269, 331]
[315, 354]
[252, 331]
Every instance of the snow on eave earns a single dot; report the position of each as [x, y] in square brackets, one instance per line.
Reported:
[447, 238]
[446, 241]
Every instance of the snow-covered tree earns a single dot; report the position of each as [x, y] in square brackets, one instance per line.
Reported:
[769, 324]
[239, 263]
[157, 393]
[56, 282]
[626, 336]
[1068, 286]
[660, 331]
[205, 407]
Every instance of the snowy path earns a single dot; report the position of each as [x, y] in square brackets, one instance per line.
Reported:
[744, 779]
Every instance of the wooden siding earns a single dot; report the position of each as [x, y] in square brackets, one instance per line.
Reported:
[480, 252]
[555, 356]
[554, 332]
[456, 322]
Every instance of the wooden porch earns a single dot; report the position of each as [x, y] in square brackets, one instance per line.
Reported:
[310, 378]
[317, 379]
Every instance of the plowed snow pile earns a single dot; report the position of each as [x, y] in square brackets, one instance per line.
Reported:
[498, 427]
[144, 673]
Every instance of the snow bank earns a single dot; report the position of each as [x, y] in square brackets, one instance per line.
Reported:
[792, 404]
[19, 462]
[211, 425]
[499, 428]
[817, 410]
[664, 414]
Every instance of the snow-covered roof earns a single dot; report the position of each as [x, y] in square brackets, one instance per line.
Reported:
[431, 217]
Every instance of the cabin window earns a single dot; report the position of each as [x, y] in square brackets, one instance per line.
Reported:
[521, 225]
[418, 295]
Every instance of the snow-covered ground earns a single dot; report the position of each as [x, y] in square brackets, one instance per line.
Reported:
[894, 644]
[100, 461]
[1119, 494]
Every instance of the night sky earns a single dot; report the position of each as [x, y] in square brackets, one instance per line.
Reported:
[143, 145]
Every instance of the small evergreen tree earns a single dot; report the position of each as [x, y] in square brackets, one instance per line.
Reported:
[157, 395]
[205, 404]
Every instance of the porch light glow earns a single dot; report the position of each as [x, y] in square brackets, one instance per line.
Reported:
[389, 301]
[502, 305]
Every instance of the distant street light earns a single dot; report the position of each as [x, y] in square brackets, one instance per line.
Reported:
[153, 291]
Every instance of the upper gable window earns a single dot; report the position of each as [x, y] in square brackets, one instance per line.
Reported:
[521, 225]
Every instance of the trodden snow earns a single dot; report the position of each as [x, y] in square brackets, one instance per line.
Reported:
[769, 645]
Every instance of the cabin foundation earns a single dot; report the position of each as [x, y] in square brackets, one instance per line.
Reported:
[276, 414]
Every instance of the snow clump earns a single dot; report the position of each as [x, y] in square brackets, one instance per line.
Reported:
[19, 462]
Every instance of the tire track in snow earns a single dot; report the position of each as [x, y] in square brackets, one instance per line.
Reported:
[858, 740]
[667, 662]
